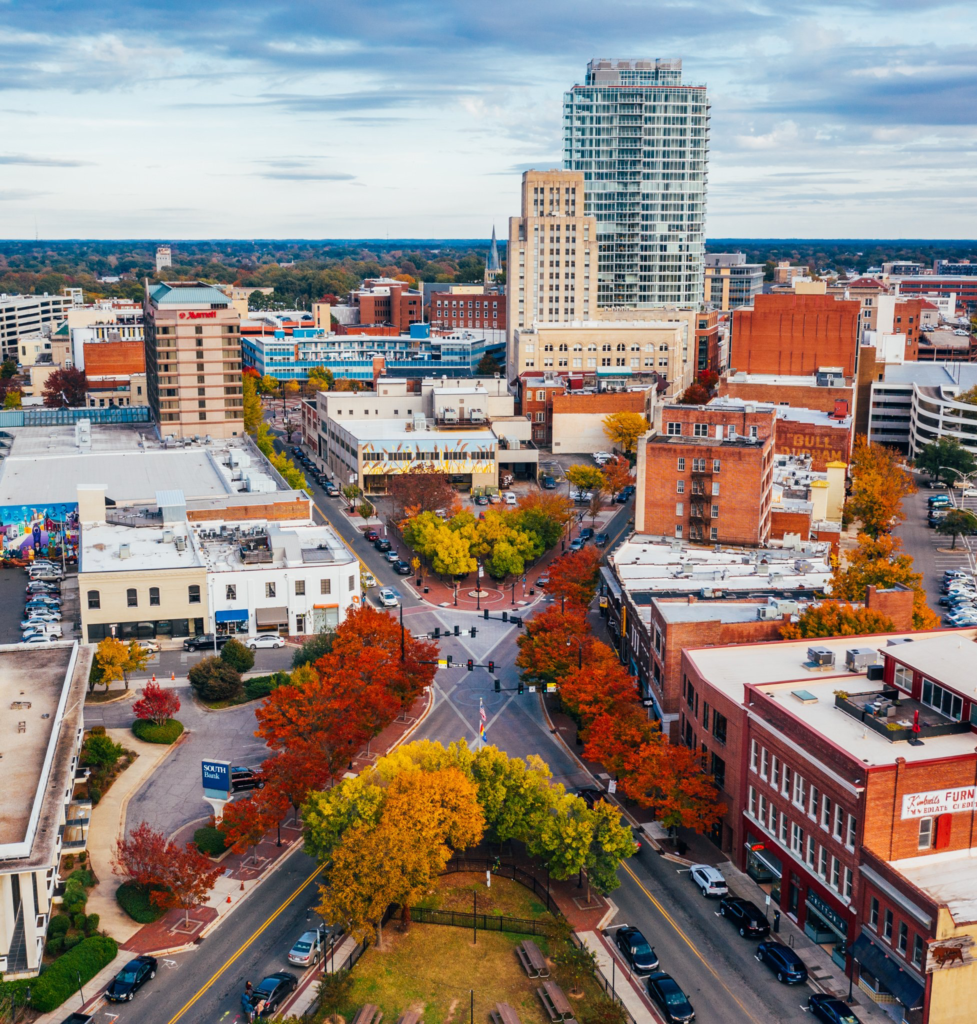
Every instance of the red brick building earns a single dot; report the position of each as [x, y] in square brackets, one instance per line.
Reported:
[707, 475]
[826, 437]
[114, 358]
[707, 341]
[795, 335]
[538, 391]
[849, 768]
[388, 303]
[803, 392]
[450, 310]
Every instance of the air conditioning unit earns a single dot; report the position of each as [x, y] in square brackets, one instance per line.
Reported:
[858, 658]
[124, 551]
[821, 656]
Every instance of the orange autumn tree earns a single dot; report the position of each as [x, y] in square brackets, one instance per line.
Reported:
[617, 474]
[245, 823]
[879, 486]
[549, 647]
[598, 688]
[836, 618]
[574, 577]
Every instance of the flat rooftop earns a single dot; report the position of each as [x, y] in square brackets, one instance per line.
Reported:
[262, 546]
[704, 611]
[949, 879]
[948, 658]
[106, 547]
[962, 375]
[397, 430]
[776, 379]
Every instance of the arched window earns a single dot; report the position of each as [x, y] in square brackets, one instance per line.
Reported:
[132, 599]
[154, 595]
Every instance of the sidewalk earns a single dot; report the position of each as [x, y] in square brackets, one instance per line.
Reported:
[623, 985]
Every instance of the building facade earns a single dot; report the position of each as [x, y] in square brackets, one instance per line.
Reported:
[639, 135]
[730, 281]
[451, 310]
[193, 360]
[25, 315]
[578, 418]
[388, 302]
[538, 391]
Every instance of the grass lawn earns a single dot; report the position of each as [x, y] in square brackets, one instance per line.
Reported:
[432, 968]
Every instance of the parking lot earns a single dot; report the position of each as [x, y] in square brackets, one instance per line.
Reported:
[13, 598]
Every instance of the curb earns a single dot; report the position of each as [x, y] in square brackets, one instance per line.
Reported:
[124, 695]
[612, 909]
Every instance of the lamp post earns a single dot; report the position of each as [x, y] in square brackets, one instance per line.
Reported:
[579, 651]
[478, 586]
[403, 655]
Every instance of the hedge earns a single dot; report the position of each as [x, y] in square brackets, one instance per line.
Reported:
[210, 840]
[60, 981]
[134, 900]
[150, 732]
[260, 686]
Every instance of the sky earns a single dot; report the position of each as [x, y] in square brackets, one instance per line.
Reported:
[374, 118]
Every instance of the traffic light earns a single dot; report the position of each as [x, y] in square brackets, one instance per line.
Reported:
[471, 665]
[485, 612]
[498, 685]
[437, 632]
[521, 687]
[491, 665]
[474, 631]
[449, 661]
[505, 616]
[457, 630]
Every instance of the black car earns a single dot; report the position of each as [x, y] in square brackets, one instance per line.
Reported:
[246, 778]
[203, 642]
[622, 496]
[296, 450]
[634, 946]
[745, 915]
[831, 1010]
[548, 483]
[481, 500]
[601, 539]
[402, 568]
[674, 1003]
[591, 796]
[269, 993]
[382, 545]
[132, 977]
[783, 961]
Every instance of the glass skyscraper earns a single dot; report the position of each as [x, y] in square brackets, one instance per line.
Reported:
[641, 139]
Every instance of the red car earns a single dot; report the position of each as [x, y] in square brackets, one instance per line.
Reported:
[372, 535]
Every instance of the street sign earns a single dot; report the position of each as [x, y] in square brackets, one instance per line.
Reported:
[481, 572]
[216, 775]
[612, 786]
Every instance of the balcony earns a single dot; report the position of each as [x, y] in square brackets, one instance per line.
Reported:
[890, 713]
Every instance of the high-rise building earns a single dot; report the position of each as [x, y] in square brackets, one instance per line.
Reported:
[551, 275]
[193, 360]
[164, 257]
[640, 137]
[731, 281]
[25, 315]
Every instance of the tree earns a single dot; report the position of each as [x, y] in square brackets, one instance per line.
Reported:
[347, 384]
[488, 366]
[312, 650]
[8, 368]
[546, 514]
[957, 523]
[12, 400]
[244, 824]
[574, 577]
[595, 506]
[156, 704]
[291, 422]
[617, 475]
[878, 488]
[576, 962]
[252, 404]
[213, 679]
[624, 428]
[351, 492]
[611, 842]
[585, 478]
[947, 460]
[116, 659]
[291, 387]
[835, 618]
[141, 858]
[188, 881]
[550, 645]
[321, 378]
[611, 738]
[237, 655]
[599, 688]
[563, 840]
[100, 751]
[420, 489]
[66, 387]
[695, 394]
[268, 385]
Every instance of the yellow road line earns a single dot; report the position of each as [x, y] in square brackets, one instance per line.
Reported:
[705, 963]
[230, 960]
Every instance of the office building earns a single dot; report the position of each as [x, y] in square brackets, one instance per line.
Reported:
[639, 135]
[24, 315]
[552, 269]
[193, 360]
[730, 281]
[965, 268]
[385, 302]
[963, 286]
[466, 306]
[164, 257]
[44, 807]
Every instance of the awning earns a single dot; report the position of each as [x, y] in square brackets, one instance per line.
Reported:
[612, 585]
[272, 616]
[233, 615]
[828, 916]
[768, 860]
[889, 971]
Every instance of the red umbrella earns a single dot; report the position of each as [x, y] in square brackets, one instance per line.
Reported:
[916, 721]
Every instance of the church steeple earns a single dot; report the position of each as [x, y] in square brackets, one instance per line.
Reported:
[493, 257]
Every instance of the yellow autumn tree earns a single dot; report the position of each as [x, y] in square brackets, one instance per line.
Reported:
[624, 429]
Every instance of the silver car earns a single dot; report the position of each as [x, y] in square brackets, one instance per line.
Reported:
[307, 951]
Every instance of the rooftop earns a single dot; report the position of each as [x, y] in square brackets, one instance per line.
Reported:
[949, 879]
[704, 611]
[947, 658]
[187, 293]
[107, 547]
[235, 547]
[401, 429]
[963, 375]
[782, 380]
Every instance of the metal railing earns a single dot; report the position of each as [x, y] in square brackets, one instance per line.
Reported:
[481, 922]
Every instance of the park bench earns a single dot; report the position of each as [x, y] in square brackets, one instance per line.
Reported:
[368, 1014]
[555, 1003]
[532, 959]
[504, 1014]
[410, 1017]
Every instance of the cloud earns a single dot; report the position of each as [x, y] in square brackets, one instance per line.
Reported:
[42, 161]
[10, 195]
[305, 176]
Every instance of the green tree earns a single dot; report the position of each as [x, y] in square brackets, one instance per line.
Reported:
[585, 478]
[213, 679]
[100, 751]
[8, 368]
[946, 460]
[237, 655]
[957, 523]
[321, 378]
[12, 400]
[268, 385]
[313, 649]
[611, 842]
[488, 366]
[563, 841]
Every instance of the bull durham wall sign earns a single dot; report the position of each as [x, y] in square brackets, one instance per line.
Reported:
[939, 801]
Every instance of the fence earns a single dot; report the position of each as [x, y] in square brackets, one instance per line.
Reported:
[481, 922]
[608, 985]
[512, 871]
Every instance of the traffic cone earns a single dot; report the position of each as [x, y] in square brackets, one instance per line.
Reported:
[172, 677]
[154, 677]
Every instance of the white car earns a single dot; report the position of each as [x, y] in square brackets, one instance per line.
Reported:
[40, 638]
[709, 879]
[509, 497]
[387, 598]
[44, 629]
[148, 645]
[38, 619]
[970, 492]
[265, 640]
[603, 456]
[368, 580]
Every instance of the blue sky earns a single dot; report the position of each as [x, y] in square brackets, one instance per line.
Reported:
[357, 118]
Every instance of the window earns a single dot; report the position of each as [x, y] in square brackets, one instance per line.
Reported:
[230, 592]
[680, 486]
[942, 699]
[714, 533]
[131, 598]
[752, 802]
[873, 914]
[826, 814]
[715, 489]
[835, 873]
[678, 531]
[772, 822]
[754, 754]
[193, 594]
[269, 590]
[705, 713]
[299, 588]
[813, 803]
[754, 432]
[681, 465]
[674, 429]
[852, 832]
[925, 831]
[903, 678]
[799, 791]
[902, 942]
[796, 838]
[700, 429]
[719, 726]
[811, 851]
[764, 761]
[352, 582]
[719, 771]
[917, 950]
[325, 586]
[785, 786]
[823, 863]
[775, 772]
[783, 827]
[887, 926]
[839, 821]
[93, 599]
[716, 466]
[680, 508]
[154, 595]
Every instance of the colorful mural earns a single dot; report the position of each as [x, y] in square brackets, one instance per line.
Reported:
[39, 529]
[461, 457]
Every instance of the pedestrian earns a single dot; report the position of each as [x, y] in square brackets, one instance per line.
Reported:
[248, 989]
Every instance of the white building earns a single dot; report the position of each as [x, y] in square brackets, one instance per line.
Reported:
[24, 315]
[164, 257]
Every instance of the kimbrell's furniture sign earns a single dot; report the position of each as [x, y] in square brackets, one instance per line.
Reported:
[939, 801]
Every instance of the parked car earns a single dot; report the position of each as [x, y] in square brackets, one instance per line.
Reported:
[382, 545]
[783, 961]
[581, 497]
[543, 581]
[332, 491]
[367, 580]
[42, 563]
[636, 950]
[586, 533]
[297, 451]
[831, 1009]
[591, 796]
[667, 993]
[936, 500]
[548, 483]
[746, 916]
[130, 979]
[387, 598]
[308, 949]
[577, 544]
[709, 880]
[623, 495]
[36, 620]
[203, 642]
[148, 645]
[495, 499]
[970, 492]
[601, 539]
[43, 629]
[40, 638]
[603, 456]
[43, 587]
[246, 778]
[402, 568]
[372, 536]
[42, 604]
[265, 640]
[480, 499]
[392, 556]
[270, 993]
[509, 497]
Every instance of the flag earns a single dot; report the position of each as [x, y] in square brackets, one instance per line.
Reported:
[481, 730]
[481, 713]
[482, 720]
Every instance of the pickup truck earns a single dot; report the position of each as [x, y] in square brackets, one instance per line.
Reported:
[78, 1018]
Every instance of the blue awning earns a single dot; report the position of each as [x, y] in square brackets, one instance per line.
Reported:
[233, 615]
[888, 969]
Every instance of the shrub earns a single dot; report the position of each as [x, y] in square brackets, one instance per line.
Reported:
[97, 730]
[60, 980]
[75, 897]
[72, 939]
[312, 650]
[100, 752]
[86, 878]
[261, 686]
[134, 900]
[606, 1011]
[95, 794]
[91, 924]
[79, 921]
[169, 732]
[210, 840]
[55, 943]
[239, 657]
[213, 679]
[59, 924]
[68, 862]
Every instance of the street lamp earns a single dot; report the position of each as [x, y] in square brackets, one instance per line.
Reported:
[478, 586]
[579, 643]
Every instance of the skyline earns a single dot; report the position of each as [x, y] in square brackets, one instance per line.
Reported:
[363, 120]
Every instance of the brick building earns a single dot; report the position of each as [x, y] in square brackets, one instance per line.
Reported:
[849, 770]
[384, 301]
[538, 391]
[817, 391]
[450, 310]
[707, 474]
[795, 335]
[578, 418]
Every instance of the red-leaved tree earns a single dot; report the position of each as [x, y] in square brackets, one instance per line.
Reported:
[550, 645]
[598, 688]
[245, 823]
[156, 704]
[574, 577]
[617, 474]
[141, 857]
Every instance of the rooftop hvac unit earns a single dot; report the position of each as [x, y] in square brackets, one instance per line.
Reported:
[181, 543]
[898, 640]
[124, 551]
[821, 656]
[168, 536]
[875, 672]
[857, 658]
